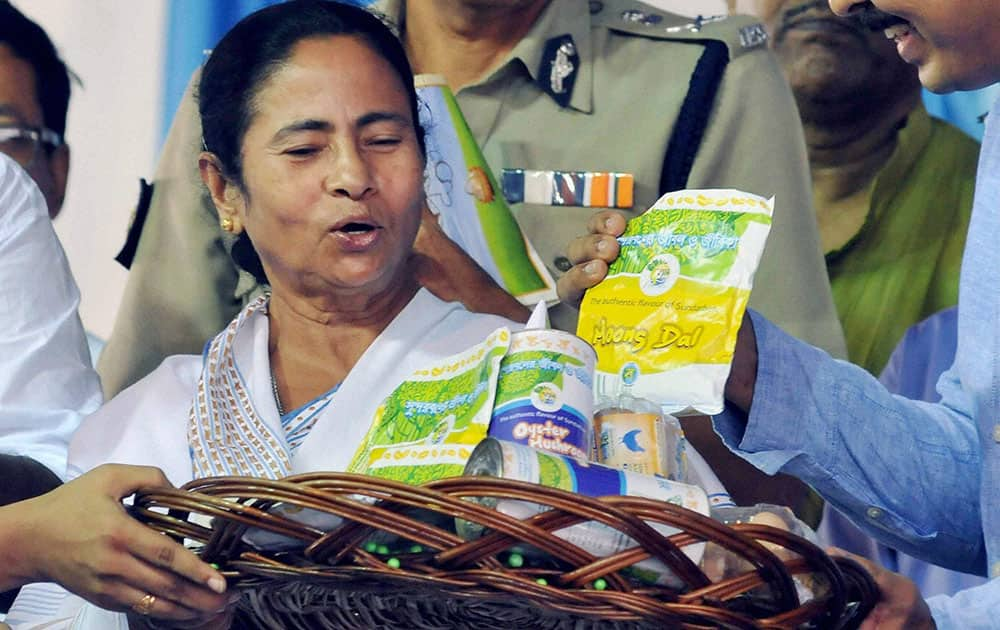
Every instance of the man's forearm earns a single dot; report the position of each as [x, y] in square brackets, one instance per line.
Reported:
[448, 272]
[24, 478]
[14, 571]
[478, 292]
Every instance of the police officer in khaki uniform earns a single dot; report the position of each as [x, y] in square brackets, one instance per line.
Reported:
[602, 86]
[588, 87]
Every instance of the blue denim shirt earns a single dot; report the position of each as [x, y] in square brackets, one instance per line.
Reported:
[921, 477]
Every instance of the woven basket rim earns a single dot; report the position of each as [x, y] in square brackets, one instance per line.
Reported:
[452, 569]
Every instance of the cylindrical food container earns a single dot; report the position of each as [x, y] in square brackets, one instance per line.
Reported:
[545, 396]
[507, 460]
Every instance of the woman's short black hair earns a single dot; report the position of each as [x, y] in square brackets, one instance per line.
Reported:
[252, 51]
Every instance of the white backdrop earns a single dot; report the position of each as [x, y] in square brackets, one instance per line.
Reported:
[116, 48]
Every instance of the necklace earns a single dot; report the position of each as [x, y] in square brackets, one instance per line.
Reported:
[277, 396]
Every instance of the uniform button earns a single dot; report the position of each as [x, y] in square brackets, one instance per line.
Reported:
[996, 432]
[596, 6]
[995, 570]
[874, 513]
[562, 263]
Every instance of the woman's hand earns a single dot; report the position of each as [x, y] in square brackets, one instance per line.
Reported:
[900, 606]
[591, 255]
[444, 269]
[80, 536]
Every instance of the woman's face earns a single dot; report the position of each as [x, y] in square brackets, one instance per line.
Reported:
[332, 172]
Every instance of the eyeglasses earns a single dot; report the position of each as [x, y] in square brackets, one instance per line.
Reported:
[26, 144]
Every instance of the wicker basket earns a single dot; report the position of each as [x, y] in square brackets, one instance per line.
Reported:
[335, 580]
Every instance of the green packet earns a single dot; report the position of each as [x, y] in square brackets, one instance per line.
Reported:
[429, 425]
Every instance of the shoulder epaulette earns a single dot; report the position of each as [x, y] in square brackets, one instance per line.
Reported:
[739, 33]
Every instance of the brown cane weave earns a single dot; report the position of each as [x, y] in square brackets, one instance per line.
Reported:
[333, 581]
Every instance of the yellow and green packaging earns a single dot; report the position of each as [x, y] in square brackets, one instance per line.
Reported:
[664, 321]
[428, 427]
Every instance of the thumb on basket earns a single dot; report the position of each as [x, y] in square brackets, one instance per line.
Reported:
[900, 603]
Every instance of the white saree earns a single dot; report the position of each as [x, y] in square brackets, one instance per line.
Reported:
[167, 420]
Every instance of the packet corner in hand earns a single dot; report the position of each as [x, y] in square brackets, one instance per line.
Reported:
[464, 194]
[664, 321]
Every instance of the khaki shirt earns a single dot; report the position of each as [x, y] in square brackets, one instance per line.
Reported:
[628, 86]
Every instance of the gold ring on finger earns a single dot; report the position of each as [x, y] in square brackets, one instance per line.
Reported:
[145, 605]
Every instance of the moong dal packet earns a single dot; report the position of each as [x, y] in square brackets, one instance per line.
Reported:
[664, 321]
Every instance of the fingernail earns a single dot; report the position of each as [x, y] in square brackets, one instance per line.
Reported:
[602, 245]
[608, 224]
[590, 268]
[217, 584]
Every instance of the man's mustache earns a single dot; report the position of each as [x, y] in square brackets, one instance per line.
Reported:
[805, 7]
[871, 18]
[810, 12]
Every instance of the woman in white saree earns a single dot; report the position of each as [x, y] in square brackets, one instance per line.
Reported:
[315, 160]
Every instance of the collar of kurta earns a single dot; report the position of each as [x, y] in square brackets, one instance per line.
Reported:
[560, 22]
[227, 433]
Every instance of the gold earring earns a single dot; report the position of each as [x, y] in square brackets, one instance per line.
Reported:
[226, 224]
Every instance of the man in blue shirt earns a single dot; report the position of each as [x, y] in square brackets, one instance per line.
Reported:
[922, 477]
